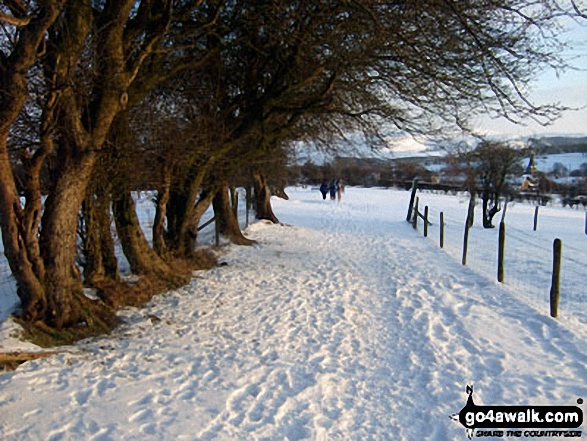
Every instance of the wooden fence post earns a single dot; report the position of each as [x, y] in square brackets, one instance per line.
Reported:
[441, 229]
[415, 218]
[471, 210]
[505, 208]
[536, 218]
[426, 221]
[501, 253]
[465, 242]
[412, 197]
[556, 274]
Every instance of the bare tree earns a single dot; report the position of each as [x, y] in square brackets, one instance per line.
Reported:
[494, 163]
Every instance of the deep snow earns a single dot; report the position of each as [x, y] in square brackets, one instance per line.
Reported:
[344, 323]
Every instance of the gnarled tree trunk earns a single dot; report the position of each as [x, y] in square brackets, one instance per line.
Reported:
[63, 283]
[143, 260]
[227, 221]
[100, 260]
[19, 226]
[188, 201]
[29, 278]
[50, 286]
[163, 195]
[490, 208]
[262, 197]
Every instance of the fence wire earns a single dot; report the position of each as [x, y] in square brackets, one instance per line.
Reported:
[528, 256]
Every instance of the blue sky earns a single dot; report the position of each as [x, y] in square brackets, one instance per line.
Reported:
[570, 89]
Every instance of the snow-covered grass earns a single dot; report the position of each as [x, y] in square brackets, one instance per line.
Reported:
[572, 161]
[344, 323]
[528, 253]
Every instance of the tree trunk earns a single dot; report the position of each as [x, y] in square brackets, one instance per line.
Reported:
[61, 303]
[163, 195]
[262, 196]
[186, 240]
[186, 207]
[14, 237]
[142, 258]
[234, 200]
[20, 228]
[189, 233]
[490, 209]
[63, 285]
[100, 260]
[175, 213]
[227, 221]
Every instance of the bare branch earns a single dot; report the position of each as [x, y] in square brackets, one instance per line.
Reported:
[12, 20]
[578, 11]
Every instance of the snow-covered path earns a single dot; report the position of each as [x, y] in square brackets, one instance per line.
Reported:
[342, 324]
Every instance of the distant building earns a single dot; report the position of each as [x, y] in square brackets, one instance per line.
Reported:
[529, 179]
[531, 168]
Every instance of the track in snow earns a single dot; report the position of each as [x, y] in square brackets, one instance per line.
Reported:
[344, 324]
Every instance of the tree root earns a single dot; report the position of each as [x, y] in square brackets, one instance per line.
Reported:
[9, 361]
[94, 318]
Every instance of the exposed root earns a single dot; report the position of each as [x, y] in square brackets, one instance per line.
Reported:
[98, 317]
[9, 361]
[202, 259]
[95, 319]
[241, 240]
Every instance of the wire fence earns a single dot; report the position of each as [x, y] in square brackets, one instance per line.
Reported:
[528, 254]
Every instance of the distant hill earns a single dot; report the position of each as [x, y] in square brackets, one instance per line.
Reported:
[558, 144]
[403, 148]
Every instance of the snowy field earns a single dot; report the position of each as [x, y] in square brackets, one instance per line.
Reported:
[344, 324]
[528, 253]
[572, 161]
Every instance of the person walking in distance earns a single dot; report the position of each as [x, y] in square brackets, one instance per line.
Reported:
[332, 188]
[324, 190]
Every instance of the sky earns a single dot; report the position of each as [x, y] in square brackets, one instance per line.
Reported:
[569, 89]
